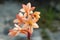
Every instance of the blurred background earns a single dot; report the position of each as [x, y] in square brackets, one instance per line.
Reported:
[49, 23]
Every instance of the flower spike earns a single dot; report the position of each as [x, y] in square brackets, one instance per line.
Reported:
[25, 21]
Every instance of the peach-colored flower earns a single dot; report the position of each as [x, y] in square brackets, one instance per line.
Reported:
[36, 16]
[28, 7]
[16, 30]
[27, 19]
[19, 19]
[12, 33]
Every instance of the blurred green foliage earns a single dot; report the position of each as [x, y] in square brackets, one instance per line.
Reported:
[47, 17]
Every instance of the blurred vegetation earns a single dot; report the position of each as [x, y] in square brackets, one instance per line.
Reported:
[57, 17]
[44, 35]
[47, 17]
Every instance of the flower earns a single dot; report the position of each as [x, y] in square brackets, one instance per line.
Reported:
[29, 25]
[28, 7]
[36, 16]
[19, 19]
[12, 33]
[26, 20]
[16, 30]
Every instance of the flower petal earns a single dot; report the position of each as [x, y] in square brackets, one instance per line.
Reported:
[17, 33]
[20, 14]
[24, 6]
[17, 26]
[35, 25]
[32, 8]
[29, 5]
[15, 21]
[31, 12]
[12, 33]
[22, 10]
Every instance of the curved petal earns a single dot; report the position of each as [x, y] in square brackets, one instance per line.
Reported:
[32, 8]
[20, 14]
[19, 28]
[12, 33]
[19, 17]
[17, 33]
[23, 31]
[29, 5]
[35, 20]
[22, 10]
[31, 12]
[15, 21]
[35, 25]
[24, 6]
